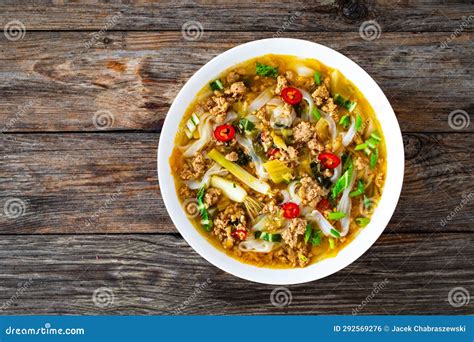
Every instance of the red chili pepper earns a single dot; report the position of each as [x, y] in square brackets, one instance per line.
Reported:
[323, 205]
[240, 234]
[224, 133]
[291, 95]
[290, 210]
[271, 152]
[329, 160]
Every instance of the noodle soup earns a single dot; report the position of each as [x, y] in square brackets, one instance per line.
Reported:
[279, 162]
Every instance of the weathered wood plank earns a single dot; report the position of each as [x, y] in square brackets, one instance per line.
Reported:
[50, 81]
[322, 15]
[413, 274]
[107, 183]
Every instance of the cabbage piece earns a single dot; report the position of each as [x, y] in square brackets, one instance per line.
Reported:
[246, 143]
[260, 100]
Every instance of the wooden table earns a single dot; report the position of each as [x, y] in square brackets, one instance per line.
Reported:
[84, 90]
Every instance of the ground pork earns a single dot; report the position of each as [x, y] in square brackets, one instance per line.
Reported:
[271, 208]
[266, 139]
[195, 168]
[330, 107]
[233, 77]
[321, 94]
[232, 156]
[294, 232]
[303, 132]
[218, 106]
[315, 147]
[237, 90]
[282, 82]
[185, 192]
[227, 221]
[290, 154]
[310, 191]
[211, 197]
[361, 163]
[290, 76]
[299, 256]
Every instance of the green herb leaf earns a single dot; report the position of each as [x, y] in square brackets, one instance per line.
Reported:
[216, 85]
[316, 239]
[359, 190]
[345, 121]
[266, 70]
[342, 183]
[337, 215]
[335, 233]
[331, 243]
[361, 147]
[362, 221]
[317, 77]
[358, 123]
[315, 113]
[348, 104]
[307, 233]
[373, 158]
[245, 125]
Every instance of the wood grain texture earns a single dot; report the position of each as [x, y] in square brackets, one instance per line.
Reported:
[321, 15]
[50, 81]
[107, 183]
[161, 274]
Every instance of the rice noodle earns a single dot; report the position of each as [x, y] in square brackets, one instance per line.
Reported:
[292, 192]
[231, 116]
[205, 134]
[247, 144]
[345, 206]
[215, 169]
[278, 120]
[276, 101]
[252, 118]
[323, 224]
[349, 136]
[337, 171]
[260, 222]
[256, 245]
[260, 100]
[307, 97]
[304, 71]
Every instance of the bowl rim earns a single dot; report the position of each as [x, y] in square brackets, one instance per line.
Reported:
[383, 111]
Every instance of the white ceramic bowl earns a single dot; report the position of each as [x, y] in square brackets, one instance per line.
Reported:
[391, 131]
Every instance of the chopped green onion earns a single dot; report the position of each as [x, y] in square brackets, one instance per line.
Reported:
[359, 190]
[266, 70]
[317, 77]
[331, 243]
[268, 236]
[348, 104]
[316, 114]
[245, 125]
[361, 147]
[345, 121]
[205, 220]
[243, 175]
[216, 85]
[316, 239]
[362, 221]
[191, 125]
[307, 233]
[373, 158]
[358, 123]
[342, 183]
[302, 258]
[335, 233]
[337, 215]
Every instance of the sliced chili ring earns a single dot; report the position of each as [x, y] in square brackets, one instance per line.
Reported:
[291, 95]
[329, 160]
[240, 234]
[224, 133]
[323, 205]
[290, 210]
